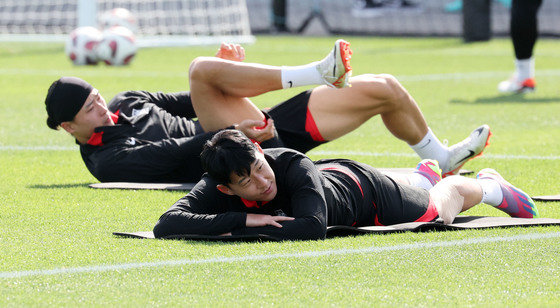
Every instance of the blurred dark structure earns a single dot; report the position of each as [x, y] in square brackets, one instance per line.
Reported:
[398, 18]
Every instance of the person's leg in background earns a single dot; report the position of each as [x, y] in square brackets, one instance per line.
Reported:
[524, 34]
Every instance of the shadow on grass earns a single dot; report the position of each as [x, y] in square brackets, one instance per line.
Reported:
[513, 98]
[43, 186]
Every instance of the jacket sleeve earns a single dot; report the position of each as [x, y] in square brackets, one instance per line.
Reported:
[177, 104]
[307, 202]
[202, 211]
[173, 159]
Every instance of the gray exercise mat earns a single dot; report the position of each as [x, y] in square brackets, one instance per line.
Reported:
[189, 186]
[138, 186]
[199, 237]
[460, 223]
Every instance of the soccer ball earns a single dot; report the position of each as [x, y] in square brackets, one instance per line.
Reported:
[118, 17]
[81, 45]
[117, 47]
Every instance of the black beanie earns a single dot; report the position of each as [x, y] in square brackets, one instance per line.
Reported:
[65, 98]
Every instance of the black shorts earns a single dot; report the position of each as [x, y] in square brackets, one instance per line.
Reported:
[380, 200]
[295, 125]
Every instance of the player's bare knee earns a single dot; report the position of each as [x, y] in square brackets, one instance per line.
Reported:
[201, 68]
[398, 96]
[380, 88]
[386, 85]
[390, 92]
[394, 87]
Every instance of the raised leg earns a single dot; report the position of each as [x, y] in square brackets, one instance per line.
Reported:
[220, 90]
[220, 87]
[340, 111]
[337, 112]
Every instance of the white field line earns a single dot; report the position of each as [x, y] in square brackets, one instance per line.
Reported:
[315, 152]
[389, 154]
[156, 74]
[471, 75]
[310, 254]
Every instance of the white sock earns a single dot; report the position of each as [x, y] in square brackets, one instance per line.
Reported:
[430, 147]
[525, 68]
[418, 180]
[303, 75]
[491, 192]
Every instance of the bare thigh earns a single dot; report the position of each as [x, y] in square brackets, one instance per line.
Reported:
[220, 90]
[216, 110]
[340, 111]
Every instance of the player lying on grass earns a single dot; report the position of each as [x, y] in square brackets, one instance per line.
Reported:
[282, 193]
[153, 137]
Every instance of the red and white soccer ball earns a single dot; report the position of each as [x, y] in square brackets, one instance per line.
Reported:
[81, 45]
[118, 17]
[118, 46]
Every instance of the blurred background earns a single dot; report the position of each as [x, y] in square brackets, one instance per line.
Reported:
[183, 20]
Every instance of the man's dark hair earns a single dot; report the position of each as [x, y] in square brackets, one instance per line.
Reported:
[227, 152]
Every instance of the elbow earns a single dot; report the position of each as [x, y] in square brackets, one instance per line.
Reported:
[318, 234]
[315, 230]
[163, 227]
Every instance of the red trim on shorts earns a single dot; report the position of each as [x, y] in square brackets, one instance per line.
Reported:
[376, 219]
[431, 212]
[311, 127]
[353, 177]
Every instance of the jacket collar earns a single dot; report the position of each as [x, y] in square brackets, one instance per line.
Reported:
[256, 204]
[96, 138]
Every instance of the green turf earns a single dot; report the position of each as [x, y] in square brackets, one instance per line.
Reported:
[51, 220]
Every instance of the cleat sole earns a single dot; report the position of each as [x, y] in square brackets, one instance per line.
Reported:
[345, 55]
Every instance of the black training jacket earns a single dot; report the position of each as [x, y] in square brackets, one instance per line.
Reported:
[154, 140]
[315, 198]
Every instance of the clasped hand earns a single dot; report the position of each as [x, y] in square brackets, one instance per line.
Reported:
[260, 220]
[254, 129]
[232, 52]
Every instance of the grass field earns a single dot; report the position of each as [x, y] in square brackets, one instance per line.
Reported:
[57, 248]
